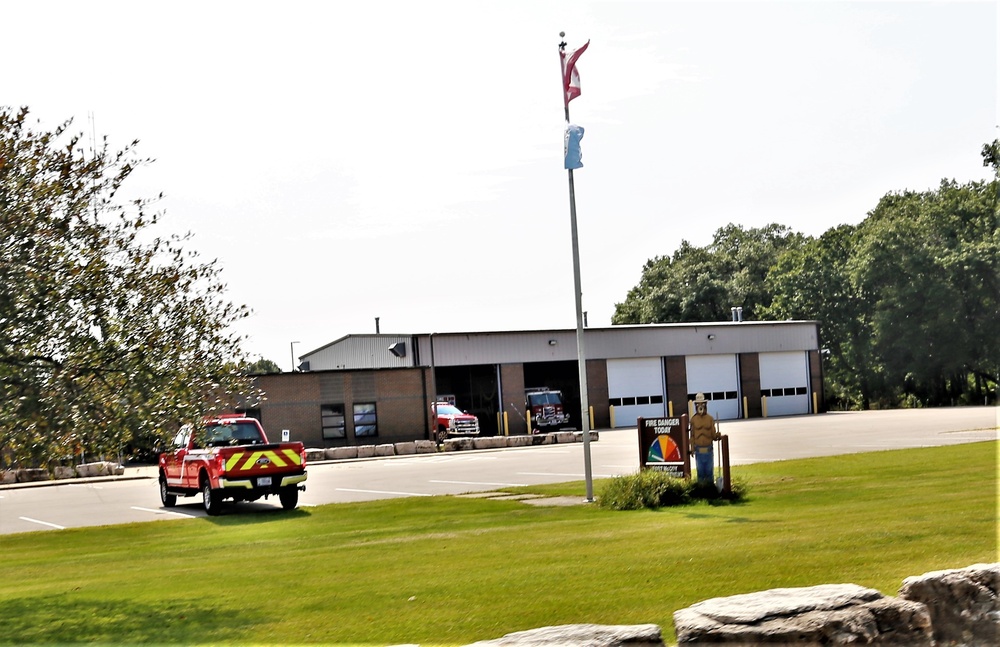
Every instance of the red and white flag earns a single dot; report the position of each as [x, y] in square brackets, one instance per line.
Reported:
[571, 78]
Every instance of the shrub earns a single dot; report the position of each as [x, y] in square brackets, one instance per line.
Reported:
[652, 489]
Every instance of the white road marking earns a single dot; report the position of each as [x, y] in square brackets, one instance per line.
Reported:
[155, 511]
[569, 474]
[344, 489]
[44, 523]
[482, 483]
[86, 485]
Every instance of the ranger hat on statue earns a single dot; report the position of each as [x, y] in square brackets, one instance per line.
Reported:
[700, 399]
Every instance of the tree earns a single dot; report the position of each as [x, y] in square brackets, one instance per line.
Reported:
[812, 282]
[929, 266]
[107, 330]
[704, 283]
[261, 367]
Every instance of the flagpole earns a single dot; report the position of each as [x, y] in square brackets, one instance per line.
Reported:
[581, 356]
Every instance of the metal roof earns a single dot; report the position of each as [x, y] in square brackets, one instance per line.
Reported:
[522, 346]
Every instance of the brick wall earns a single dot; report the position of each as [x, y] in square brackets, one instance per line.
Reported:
[512, 387]
[750, 383]
[677, 392]
[597, 392]
[401, 405]
[292, 403]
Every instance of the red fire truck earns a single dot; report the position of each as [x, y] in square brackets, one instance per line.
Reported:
[546, 409]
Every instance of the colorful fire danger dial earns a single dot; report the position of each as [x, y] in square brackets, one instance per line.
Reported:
[664, 449]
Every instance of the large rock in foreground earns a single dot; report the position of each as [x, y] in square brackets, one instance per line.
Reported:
[962, 602]
[581, 636]
[829, 614]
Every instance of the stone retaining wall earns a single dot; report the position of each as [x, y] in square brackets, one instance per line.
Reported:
[313, 454]
[957, 608]
[962, 603]
[462, 443]
[60, 472]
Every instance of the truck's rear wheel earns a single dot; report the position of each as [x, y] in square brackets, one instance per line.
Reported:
[442, 434]
[210, 498]
[289, 498]
[168, 500]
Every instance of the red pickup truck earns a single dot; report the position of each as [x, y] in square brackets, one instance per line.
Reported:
[229, 457]
[452, 421]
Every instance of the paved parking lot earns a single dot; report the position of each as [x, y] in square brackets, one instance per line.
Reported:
[25, 508]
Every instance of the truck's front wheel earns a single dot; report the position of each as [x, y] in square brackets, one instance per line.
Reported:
[289, 498]
[210, 498]
[442, 434]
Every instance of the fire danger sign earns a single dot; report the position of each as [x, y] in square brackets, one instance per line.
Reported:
[663, 445]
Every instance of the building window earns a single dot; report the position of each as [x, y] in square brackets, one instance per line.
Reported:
[365, 420]
[334, 425]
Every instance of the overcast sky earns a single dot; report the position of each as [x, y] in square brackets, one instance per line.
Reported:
[403, 160]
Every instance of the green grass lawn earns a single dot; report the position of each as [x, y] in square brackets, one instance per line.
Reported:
[450, 570]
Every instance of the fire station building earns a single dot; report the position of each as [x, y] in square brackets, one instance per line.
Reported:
[378, 388]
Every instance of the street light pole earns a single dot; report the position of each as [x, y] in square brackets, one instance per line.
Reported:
[291, 348]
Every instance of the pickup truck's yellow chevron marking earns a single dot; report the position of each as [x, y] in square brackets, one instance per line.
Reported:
[279, 459]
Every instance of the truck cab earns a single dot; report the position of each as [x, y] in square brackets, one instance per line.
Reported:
[545, 409]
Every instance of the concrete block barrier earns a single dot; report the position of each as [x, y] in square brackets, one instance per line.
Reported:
[489, 442]
[406, 448]
[426, 446]
[457, 444]
[315, 454]
[339, 453]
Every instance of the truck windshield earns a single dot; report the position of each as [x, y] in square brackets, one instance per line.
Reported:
[549, 397]
[448, 410]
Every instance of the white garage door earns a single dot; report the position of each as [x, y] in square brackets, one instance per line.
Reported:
[635, 389]
[784, 381]
[718, 377]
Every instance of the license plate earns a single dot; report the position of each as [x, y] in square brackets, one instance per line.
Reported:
[263, 481]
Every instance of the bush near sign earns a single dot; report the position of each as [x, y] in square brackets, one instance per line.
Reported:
[663, 445]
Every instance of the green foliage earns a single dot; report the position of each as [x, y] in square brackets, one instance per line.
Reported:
[452, 570]
[928, 266]
[908, 300]
[107, 330]
[261, 367]
[703, 284]
[653, 489]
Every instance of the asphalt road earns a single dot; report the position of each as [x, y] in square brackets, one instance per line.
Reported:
[135, 498]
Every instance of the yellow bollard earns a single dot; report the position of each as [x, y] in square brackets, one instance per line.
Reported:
[670, 408]
[527, 418]
[591, 412]
[611, 409]
[815, 403]
[763, 406]
[746, 408]
[506, 424]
